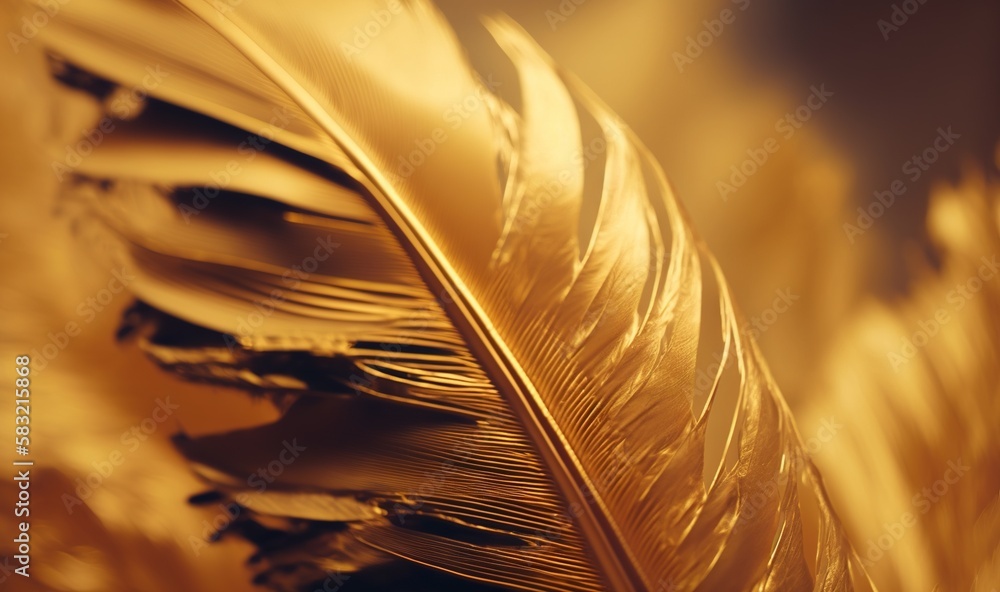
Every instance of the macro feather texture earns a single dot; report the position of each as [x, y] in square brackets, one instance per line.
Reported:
[481, 313]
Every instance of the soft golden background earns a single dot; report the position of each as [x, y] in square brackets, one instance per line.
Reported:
[781, 231]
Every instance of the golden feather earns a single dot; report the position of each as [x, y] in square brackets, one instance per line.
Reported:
[481, 309]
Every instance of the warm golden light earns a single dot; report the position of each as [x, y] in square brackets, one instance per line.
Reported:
[388, 295]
